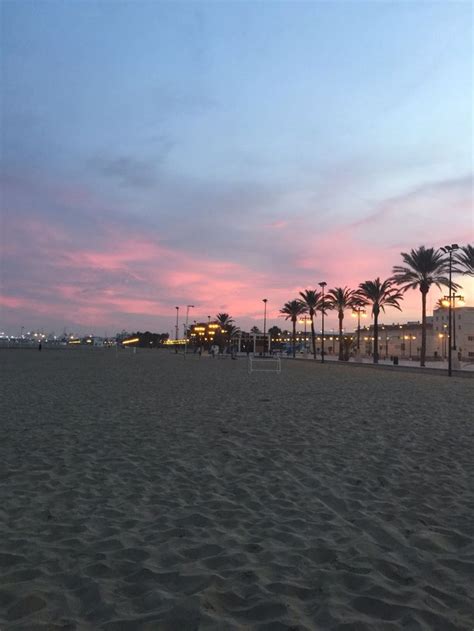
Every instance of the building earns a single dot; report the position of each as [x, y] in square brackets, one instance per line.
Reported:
[462, 332]
[397, 340]
[203, 333]
[404, 340]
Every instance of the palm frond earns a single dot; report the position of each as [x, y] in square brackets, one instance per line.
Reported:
[292, 309]
[380, 294]
[464, 258]
[423, 267]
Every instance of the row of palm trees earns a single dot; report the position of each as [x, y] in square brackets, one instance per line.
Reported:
[422, 268]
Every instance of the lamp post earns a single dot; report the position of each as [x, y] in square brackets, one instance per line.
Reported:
[264, 300]
[442, 337]
[410, 338]
[322, 284]
[445, 303]
[188, 307]
[449, 249]
[356, 313]
[304, 321]
[176, 333]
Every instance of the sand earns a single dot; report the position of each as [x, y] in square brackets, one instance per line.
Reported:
[148, 492]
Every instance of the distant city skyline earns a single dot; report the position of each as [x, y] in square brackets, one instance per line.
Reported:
[215, 154]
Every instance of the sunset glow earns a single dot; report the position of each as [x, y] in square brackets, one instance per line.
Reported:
[313, 159]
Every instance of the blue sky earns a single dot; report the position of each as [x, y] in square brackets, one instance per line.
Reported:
[290, 141]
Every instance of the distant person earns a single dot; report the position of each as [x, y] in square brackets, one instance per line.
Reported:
[40, 346]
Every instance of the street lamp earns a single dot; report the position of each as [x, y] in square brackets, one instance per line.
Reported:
[322, 284]
[177, 326]
[356, 313]
[442, 337]
[445, 303]
[304, 321]
[264, 300]
[449, 249]
[410, 338]
[188, 307]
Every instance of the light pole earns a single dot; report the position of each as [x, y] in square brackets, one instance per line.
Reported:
[356, 313]
[449, 249]
[442, 337]
[177, 329]
[322, 285]
[304, 321]
[445, 303]
[264, 300]
[188, 307]
[410, 338]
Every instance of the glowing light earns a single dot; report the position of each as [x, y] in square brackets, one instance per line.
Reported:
[131, 341]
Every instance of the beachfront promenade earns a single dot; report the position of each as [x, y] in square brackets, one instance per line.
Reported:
[145, 491]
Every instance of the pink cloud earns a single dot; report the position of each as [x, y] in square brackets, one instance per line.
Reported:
[115, 272]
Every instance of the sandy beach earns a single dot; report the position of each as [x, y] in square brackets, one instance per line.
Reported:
[148, 492]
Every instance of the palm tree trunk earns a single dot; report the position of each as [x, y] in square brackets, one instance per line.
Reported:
[376, 338]
[341, 349]
[423, 329]
[313, 337]
[294, 339]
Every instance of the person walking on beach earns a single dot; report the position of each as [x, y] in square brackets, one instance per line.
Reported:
[40, 346]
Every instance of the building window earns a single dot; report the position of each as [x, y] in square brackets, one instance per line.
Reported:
[470, 354]
[470, 338]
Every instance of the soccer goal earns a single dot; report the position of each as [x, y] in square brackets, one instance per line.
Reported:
[264, 364]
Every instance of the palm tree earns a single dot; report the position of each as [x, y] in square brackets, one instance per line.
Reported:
[292, 310]
[380, 295]
[311, 299]
[232, 331]
[341, 299]
[465, 260]
[423, 268]
[227, 325]
[224, 319]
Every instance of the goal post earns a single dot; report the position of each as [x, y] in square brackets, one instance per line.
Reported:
[264, 364]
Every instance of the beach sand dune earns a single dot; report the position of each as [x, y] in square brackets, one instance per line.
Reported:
[148, 492]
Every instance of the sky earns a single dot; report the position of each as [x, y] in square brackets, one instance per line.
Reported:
[163, 154]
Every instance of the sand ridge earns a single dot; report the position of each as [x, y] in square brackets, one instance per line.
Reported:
[148, 492]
